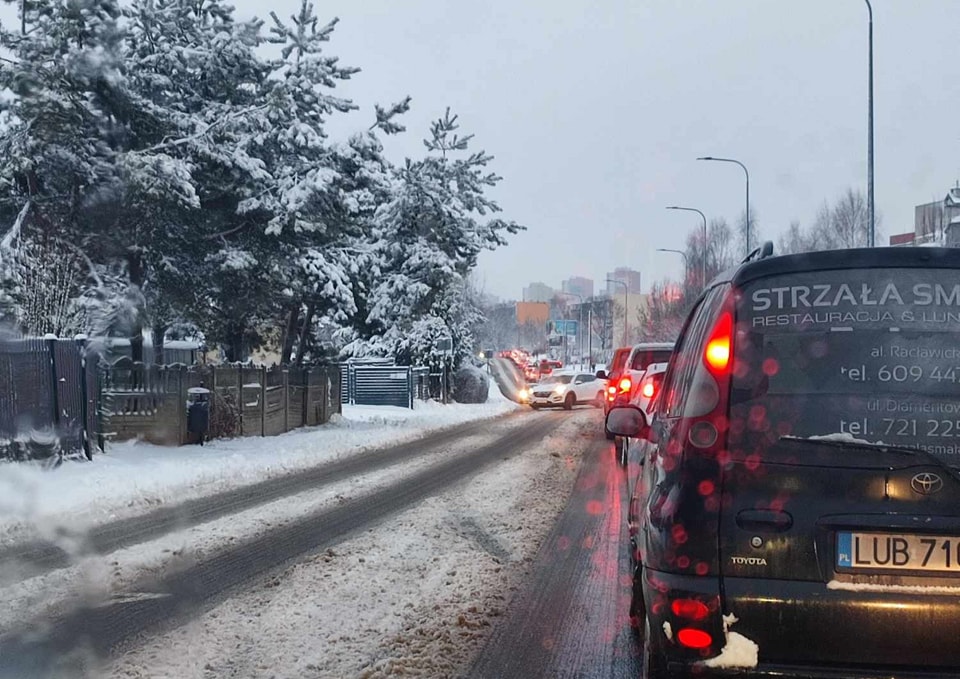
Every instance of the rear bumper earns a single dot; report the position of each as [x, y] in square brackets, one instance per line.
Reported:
[769, 670]
[804, 630]
[543, 402]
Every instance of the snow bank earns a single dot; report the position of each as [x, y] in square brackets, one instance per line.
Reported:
[133, 476]
[471, 385]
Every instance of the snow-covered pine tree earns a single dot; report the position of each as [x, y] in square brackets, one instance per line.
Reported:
[427, 239]
[324, 195]
[61, 79]
[197, 76]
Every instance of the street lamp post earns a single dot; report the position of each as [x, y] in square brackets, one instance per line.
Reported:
[872, 237]
[745, 172]
[626, 292]
[686, 262]
[703, 258]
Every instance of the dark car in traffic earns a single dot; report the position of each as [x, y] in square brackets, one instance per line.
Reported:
[798, 509]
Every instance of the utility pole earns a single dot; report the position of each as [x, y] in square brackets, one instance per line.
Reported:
[590, 335]
[871, 242]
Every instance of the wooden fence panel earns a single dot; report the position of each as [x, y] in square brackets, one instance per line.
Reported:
[252, 401]
[150, 402]
[275, 402]
[297, 399]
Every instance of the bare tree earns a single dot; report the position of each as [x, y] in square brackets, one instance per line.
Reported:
[845, 224]
[666, 309]
[795, 240]
[601, 314]
[721, 253]
[500, 329]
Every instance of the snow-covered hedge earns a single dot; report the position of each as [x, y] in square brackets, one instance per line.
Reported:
[470, 385]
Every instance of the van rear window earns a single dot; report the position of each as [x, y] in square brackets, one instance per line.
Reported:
[644, 358]
[619, 360]
[874, 353]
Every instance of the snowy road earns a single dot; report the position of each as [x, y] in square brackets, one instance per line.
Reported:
[39, 556]
[523, 480]
[572, 617]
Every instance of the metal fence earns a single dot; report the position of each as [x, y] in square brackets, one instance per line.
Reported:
[45, 387]
[379, 385]
[149, 401]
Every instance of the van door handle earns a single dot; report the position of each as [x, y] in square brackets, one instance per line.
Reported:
[764, 520]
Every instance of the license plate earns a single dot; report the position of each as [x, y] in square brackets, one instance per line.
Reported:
[895, 551]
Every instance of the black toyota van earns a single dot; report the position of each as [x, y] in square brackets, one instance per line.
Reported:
[798, 512]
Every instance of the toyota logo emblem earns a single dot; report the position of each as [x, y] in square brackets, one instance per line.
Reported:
[926, 483]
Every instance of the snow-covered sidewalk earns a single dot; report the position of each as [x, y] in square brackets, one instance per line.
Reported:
[132, 478]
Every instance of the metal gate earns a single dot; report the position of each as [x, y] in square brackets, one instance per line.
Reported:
[383, 385]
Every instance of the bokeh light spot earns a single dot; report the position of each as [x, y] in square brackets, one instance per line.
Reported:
[771, 367]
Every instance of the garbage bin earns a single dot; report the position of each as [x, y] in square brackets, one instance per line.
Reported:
[198, 414]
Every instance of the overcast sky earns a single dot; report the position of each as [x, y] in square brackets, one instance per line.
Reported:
[596, 111]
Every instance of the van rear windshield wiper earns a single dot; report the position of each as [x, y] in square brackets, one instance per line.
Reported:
[848, 443]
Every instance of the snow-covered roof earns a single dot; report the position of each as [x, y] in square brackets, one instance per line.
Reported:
[953, 197]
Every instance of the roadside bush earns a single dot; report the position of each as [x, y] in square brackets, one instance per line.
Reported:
[224, 417]
[470, 385]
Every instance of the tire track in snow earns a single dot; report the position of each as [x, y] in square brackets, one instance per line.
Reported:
[74, 643]
[39, 557]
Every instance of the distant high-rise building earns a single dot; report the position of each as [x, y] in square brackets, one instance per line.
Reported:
[538, 292]
[578, 285]
[626, 275]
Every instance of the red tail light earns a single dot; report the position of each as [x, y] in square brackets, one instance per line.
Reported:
[691, 609]
[625, 384]
[705, 411]
[694, 638]
[648, 389]
[720, 345]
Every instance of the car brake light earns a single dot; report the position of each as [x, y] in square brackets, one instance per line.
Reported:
[694, 638]
[625, 384]
[648, 389]
[717, 353]
[711, 379]
[691, 609]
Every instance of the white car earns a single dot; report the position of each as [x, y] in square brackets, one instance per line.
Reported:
[644, 397]
[641, 357]
[567, 390]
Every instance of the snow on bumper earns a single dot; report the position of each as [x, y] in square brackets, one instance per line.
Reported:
[738, 652]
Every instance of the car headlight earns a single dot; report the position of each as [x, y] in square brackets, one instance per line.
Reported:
[524, 394]
[559, 388]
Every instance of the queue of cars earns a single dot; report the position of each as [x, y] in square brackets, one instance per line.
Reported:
[627, 369]
[797, 506]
